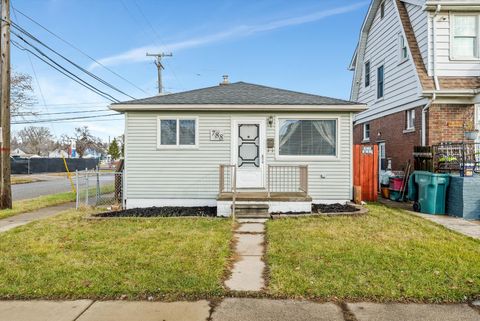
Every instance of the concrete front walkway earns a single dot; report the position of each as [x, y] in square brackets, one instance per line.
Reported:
[25, 218]
[247, 271]
[230, 309]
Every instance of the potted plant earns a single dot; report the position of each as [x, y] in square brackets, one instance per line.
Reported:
[471, 133]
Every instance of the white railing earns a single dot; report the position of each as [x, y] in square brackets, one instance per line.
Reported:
[228, 183]
[287, 179]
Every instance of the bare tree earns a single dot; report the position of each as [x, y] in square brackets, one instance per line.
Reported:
[21, 95]
[85, 140]
[35, 140]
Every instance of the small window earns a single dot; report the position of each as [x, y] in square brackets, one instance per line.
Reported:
[382, 10]
[307, 137]
[410, 119]
[403, 50]
[380, 82]
[178, 132]
[367, 74]
[465, 37]
[366, 132]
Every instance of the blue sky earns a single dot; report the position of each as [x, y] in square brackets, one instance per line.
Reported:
[298, 45]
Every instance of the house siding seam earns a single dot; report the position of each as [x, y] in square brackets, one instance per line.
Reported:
[398, 144]
[401, 80]
[193, 173]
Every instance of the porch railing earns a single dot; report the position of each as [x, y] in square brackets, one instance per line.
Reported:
[287, 179]
[228, 183]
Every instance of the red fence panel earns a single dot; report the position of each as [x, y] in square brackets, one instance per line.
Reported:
[365, 171]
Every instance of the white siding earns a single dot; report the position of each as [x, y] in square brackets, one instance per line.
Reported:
[193, 173]
[419, 21]
[401, 80]
[445, 65]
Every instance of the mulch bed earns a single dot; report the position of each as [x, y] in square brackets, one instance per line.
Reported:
[169, 211]
[333, 208]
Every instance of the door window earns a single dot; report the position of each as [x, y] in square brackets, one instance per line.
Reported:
[248, 145]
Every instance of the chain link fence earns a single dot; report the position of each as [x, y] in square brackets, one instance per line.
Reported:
[98, 188]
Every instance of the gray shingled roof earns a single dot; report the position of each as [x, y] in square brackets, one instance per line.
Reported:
[239, 93]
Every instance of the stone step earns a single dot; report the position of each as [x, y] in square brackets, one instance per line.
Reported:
[251, 211]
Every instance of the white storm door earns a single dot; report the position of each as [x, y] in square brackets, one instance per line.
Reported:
[248, 145]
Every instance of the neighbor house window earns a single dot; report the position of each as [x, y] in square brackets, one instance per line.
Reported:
[181, 132]
[410, 119]
[465, 36]
[403, 50]
[367, 74]
[307, 137]
[382, 9]
[366, 132]
[380, 82]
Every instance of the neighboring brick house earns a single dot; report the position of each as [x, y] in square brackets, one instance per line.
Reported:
[417, 67]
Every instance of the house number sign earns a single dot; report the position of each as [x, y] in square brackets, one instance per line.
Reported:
[216, 135]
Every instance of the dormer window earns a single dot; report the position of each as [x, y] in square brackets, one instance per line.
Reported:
[465, 34]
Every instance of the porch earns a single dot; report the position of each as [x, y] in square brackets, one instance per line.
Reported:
[286, 191]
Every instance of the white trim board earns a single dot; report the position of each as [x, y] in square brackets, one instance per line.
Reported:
[160, 202]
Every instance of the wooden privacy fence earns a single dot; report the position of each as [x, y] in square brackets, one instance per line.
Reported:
[365, 172]
[423, 158]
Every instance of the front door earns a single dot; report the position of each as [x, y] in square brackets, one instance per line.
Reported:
[248, 144]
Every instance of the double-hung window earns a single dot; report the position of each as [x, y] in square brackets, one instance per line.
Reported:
[177, 132]
[380, 82]
[465, 36]
[307, 137]
[366, 132]
[367, 74]
[410, 124]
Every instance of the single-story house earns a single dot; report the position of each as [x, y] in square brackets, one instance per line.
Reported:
[275, 149]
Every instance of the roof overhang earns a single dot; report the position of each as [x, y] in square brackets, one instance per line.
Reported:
[452, 5]
[185, 107]
[455, 96]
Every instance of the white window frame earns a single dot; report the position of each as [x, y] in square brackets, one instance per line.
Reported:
[410, 120]
[452, 37]
[307, 157]
[402, 44]
[177, 146]
[377, 82]
[369, 73]
[365, 138]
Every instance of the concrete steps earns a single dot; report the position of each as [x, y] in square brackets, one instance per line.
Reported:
[252, 211]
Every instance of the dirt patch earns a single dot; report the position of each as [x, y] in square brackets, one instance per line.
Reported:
[333, 208]
[168, 211]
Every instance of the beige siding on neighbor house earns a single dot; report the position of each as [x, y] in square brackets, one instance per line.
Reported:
[193, 173]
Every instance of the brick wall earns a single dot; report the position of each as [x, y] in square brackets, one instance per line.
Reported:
[445, 122]
[390, 129]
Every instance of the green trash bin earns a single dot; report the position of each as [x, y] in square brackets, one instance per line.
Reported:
[431, 192]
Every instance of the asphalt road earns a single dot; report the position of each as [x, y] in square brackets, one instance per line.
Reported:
[49, 184]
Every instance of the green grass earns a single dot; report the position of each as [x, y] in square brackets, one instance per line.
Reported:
[33, 204]
[70, 257]
[386, 255]
[23, 180]
[36, 203]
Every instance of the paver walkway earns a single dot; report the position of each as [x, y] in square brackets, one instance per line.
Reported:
[247, 271]
[25, 218]
[230, 309]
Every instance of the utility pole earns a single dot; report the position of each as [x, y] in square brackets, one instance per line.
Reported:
[5, 188]
[158, 63]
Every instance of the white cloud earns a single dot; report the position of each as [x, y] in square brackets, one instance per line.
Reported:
[138, 54]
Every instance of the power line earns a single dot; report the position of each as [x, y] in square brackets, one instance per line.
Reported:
[67, 73]
[60, 113]
[61, 119]
[79, 50]
[22, 30]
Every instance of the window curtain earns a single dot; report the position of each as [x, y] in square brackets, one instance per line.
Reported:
[307, 137]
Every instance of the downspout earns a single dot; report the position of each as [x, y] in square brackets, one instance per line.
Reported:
[435, 78]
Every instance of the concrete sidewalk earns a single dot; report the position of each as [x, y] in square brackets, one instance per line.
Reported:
[25, 218]
[230, 309]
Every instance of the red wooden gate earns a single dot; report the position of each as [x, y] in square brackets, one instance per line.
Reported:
[365, 169]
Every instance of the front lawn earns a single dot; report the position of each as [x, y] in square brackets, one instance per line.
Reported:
[386, 255]
[70, 257]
